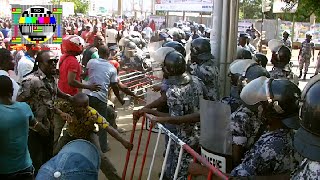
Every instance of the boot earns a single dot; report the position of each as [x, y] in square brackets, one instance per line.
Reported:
[304, 76]
[300, 74]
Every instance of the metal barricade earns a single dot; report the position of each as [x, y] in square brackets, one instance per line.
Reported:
[172, 137]
[138, 81]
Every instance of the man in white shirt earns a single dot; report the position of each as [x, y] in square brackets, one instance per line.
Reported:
[148, 33]
[26, 63]
[7, 64]
[111, 35]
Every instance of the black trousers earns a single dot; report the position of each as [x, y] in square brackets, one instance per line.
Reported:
[26, 174]
[40, 148]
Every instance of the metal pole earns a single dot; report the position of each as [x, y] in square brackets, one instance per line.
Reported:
[120, 8]
[223, 46]
[260, 46]
[292, 29]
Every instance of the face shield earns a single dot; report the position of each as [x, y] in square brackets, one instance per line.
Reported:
[256, 91]
[274, 45]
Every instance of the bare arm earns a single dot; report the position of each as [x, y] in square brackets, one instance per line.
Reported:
[161, 101]
[74, 83]
[125, 89]
[154, 112]
[115, 89]
[186, 119]
[63, 95]
[237, 154]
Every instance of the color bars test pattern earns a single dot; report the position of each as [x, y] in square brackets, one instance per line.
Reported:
[38, 24]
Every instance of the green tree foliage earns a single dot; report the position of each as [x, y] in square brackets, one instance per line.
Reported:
[80, 6]
[306, 8]
[250, 9]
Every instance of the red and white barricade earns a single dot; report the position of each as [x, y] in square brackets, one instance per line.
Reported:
[184, 148]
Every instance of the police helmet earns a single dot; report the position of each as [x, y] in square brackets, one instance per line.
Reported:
[279, 99]
[261, 59]
[242, 71]
[307, 138]
[286, 32]
[200, 50]
[131, 45]
[309, 34]
[243, 53]
[174, 64]
[282, 57]
[177, 46]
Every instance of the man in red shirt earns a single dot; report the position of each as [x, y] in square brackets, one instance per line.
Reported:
[70, 69]
[96, 31]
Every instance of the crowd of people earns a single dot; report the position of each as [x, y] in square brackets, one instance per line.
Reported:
[51, 105]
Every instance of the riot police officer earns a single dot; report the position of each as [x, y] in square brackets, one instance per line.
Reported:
[182, 96]
[307, 138]
[261, 59]
[278, 103]
[134, 57]
[281, 65]
[205, 67]
[245, 127]
[177, 46]
[243, 53]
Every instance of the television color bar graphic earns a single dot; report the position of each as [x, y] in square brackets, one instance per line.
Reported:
[36, 24]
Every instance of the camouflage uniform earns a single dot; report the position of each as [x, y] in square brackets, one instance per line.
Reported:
[39, 92]
[244, 127]
[308, 169]
[208, 72]
[287, 43]
[183, 100]
[272, 154]
[306, 49]
[233, 102]
[278, 73]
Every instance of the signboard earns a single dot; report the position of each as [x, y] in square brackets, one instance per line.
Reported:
[280, 6]
[184, 5]
[284, 26]
[5, 9]
[217, 161]
[300, 31]
[243, 25]
[68, 8]
[315, 33]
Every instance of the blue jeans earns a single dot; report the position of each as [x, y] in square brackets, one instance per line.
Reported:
[108, 113]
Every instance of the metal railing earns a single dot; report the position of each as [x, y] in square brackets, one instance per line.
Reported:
[184, 148]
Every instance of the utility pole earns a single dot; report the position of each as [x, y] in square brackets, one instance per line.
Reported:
[120, 8]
